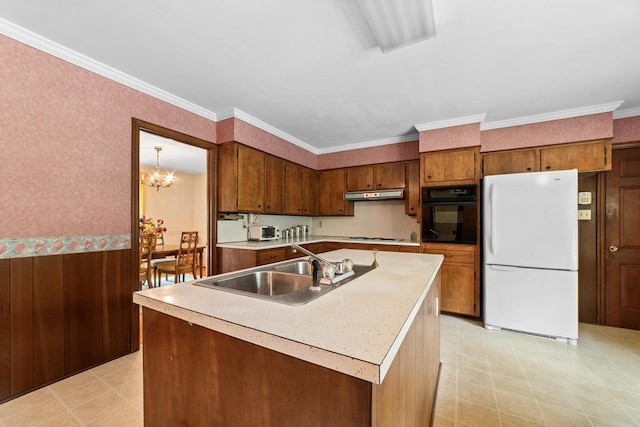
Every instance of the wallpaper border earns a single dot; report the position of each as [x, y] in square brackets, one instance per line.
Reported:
[37, 246]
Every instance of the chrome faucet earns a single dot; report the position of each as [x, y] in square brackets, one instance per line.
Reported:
[295, 248]
[315, 260]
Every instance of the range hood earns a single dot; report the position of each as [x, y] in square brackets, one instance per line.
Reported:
[374, 195]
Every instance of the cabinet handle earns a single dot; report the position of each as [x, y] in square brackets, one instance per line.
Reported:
[528, 168]
[429, 176]
[548, 167]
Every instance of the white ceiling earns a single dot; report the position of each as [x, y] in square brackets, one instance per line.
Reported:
[175, 156]
[310, 69]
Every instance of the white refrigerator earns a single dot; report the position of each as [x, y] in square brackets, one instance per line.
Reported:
[530, 253]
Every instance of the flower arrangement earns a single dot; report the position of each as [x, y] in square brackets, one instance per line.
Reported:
[149, 225]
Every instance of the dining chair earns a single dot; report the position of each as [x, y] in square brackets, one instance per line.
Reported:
[160, 238]
[145, 252]
[184, 263]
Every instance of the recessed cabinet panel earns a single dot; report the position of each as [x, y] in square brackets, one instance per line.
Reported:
[449, 165]
[512, 161]
[460, 288]
[412, 185]
[274, 185]
[310, 186]
[293, 189]
[331, 195]
[586, 157]
[389, 176]
[360, 178]
[250, 180]
[383, 176]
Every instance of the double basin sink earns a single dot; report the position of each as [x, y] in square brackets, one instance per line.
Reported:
[288, 283]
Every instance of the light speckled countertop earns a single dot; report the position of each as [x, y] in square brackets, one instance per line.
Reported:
[356, 329]
[270, 244]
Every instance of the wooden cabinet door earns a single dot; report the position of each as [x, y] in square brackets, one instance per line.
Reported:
[274, 185]
[512, 161]
[331, 195]
[227, 178]
[449, 165]
[250, 180]
[460, 288]
[360, 178]
[293, 179]
[457, 288]
[412, 185]
[389, 176]
[586, 157]
[309, 192]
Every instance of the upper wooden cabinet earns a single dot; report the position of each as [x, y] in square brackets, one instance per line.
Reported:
[331, 201]
[240, 178]
[293, 188]
[588, 156]
[301, 190]
[511, 161]
[376, 177]
[273, 184]
[450, 166]
[310, 189]
[412, 186]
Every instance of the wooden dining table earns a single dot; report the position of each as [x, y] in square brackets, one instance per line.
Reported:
[166, 251]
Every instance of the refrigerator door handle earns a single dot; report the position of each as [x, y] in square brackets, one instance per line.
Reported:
[490, 222]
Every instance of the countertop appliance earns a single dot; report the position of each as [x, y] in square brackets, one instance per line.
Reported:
[530, 253]
[450, 214]
[263, 232]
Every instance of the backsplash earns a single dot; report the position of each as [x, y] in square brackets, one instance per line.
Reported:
[235, 231]
[381, 218]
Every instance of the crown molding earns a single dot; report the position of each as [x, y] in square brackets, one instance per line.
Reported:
[459, 121]
[247, 118]
[36, 41]
[556, 115]
[629, 112]
[370, 144]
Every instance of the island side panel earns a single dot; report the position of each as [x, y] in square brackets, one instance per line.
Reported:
[196, 376]
[408, 391]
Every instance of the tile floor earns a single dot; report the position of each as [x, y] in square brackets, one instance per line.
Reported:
[489, 378]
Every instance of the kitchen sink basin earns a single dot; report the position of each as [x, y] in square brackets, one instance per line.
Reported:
[289, 283]
[267, 282]
[297, 267]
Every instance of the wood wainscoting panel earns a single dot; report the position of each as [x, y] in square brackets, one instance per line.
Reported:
[48, 316]
[21, 307]
[116, 303]
[83, 311]
[5, 329]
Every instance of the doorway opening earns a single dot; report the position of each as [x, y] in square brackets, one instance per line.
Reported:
[177, 208]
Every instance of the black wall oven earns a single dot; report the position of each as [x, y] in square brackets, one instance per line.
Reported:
[450, 214]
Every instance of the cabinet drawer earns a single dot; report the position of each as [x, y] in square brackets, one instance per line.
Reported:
[268, 256]
[457, 257]
[452, 253]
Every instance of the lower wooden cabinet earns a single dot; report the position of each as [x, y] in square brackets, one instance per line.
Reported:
[460, 291]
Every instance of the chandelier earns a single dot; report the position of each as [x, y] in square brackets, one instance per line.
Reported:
[159, 178]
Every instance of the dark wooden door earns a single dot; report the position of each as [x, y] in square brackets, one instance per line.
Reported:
[622, 238]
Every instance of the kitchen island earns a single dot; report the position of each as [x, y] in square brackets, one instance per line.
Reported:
[367, 353]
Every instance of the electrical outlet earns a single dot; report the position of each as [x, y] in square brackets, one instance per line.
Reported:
[584, 214]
